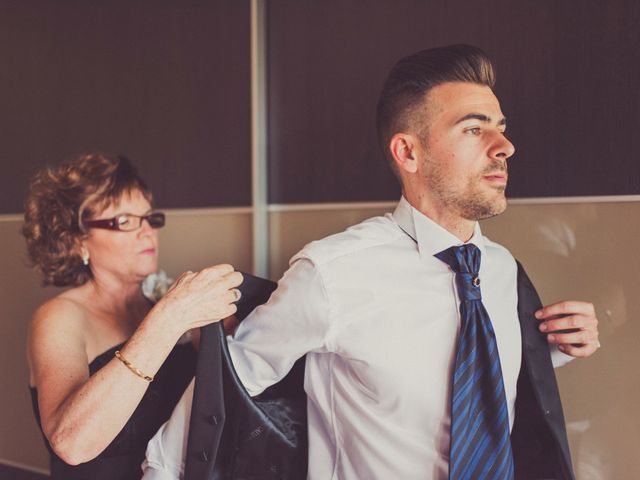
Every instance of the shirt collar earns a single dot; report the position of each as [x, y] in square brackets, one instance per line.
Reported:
[430, 237]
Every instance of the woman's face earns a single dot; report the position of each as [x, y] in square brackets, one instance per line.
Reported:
[124, 256]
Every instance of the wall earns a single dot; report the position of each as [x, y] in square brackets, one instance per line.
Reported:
[582, 251]
[567, 76]
[170, 84]
[20, 293]
[163, 82]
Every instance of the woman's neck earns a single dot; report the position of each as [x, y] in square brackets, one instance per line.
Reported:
[121, 300]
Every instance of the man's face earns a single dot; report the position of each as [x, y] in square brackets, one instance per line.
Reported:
[463, 152]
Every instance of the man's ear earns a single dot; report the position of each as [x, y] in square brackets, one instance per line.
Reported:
[403, 150]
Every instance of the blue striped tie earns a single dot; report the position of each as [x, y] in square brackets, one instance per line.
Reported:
[480, 441]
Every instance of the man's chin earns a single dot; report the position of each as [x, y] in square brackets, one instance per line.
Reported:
[500, 206]
[483, 210]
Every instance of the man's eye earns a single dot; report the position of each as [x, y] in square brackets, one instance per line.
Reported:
[473, 131]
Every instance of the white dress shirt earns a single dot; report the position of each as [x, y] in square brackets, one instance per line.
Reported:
[377, 316]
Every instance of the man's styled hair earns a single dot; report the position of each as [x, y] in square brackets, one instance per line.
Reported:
[410, 80]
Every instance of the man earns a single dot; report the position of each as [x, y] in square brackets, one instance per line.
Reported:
[382, 314]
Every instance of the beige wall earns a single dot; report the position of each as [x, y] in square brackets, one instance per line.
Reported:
[585, 251]
[198, 238]
[20, 292]
[570, 250]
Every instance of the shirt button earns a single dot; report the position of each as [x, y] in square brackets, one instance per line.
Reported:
[212, 419]
[203, 456]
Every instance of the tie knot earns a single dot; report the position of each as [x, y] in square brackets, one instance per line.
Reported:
[464, 260]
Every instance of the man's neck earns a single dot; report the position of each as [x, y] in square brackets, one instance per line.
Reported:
[462, 228]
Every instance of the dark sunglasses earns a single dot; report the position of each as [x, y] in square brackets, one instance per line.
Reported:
[127, 222]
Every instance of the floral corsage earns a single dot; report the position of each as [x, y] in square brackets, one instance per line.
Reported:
[154, 288]
[156, 285]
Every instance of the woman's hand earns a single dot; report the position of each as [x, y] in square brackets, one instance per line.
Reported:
[197, 299]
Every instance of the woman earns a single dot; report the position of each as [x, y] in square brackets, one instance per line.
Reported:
[105, 370]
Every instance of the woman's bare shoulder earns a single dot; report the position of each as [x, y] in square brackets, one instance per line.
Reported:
[63, 314]
[64, 307]
[57, 331]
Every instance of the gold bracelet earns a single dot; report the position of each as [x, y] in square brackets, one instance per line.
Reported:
[128, 364]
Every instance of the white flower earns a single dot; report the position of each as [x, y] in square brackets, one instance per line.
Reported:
[156, 285]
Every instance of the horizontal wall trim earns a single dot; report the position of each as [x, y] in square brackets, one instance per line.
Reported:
[11, 217]
[208, 211]
[22, 466]
[564, 200]
[295, 207]
[18, 217]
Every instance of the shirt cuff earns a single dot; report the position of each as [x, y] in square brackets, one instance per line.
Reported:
[558, 358]
[158, 472]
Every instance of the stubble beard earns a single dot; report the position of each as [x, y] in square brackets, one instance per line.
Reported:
[475, 201]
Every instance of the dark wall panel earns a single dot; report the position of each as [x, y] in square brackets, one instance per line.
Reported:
[164, 82]
[568, 80]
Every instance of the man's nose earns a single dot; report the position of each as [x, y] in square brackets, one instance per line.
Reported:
[501, 147]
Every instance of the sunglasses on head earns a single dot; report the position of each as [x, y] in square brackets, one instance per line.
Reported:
[127, 222]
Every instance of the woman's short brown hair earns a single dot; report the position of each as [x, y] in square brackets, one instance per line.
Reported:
[60, 199]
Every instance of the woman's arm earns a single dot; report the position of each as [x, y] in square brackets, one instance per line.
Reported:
[81, 415]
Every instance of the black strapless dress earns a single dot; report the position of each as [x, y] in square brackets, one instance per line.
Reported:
[121, 460]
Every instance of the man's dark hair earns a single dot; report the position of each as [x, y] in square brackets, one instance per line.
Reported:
[414, 76]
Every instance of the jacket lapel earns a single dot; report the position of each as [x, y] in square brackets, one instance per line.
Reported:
[538, 437]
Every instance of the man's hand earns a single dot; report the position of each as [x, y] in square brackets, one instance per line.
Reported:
[571, 325]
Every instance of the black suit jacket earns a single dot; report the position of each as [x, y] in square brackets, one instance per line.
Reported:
[233, 436]
[538, 437]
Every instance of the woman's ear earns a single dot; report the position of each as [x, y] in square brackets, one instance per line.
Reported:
[403, 151]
